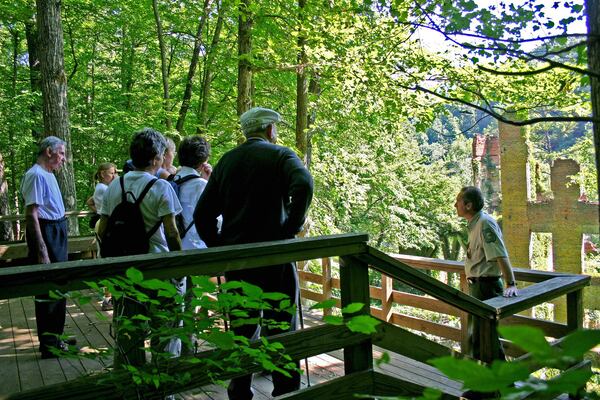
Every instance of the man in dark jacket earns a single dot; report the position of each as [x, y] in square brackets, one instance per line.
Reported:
[263, 192]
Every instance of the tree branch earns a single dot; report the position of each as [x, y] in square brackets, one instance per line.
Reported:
[516, 73]
[498, 116]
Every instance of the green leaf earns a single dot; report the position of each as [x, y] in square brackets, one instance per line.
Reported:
[223, 340]
[333, 320]
[530, 339]
[579, 342]
[363, 324]
[134, 275]
[274, 296]
[352, 308]
[330, 303]
[471, 373]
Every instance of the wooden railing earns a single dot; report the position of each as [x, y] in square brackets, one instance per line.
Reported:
[18, 227]
[355, 256]
[390, 298]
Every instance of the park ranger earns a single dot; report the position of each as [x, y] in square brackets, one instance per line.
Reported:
[487, 260]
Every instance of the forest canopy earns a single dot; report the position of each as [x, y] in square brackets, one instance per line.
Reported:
[382, 118]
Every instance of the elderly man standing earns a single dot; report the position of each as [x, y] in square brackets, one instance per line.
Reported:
[46, 234]
[263, 192]
[487, 259]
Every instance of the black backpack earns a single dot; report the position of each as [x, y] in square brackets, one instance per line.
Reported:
[176, 182]
[125, 232]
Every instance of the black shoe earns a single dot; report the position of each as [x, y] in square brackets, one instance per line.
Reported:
[71, 340]
[61, 346]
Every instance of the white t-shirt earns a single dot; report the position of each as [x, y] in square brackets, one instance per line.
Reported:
[99, 195]
[161, 200]
[40, 187]
[189, 193]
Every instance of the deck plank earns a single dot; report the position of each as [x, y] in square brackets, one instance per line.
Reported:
[9, 378]
[51, 369]
[26, 344]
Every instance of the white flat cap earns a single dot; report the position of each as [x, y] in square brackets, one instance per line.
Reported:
[253, 119]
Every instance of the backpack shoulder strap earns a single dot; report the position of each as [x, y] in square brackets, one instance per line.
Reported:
[145, 191]
[123, 194]
[186, 178]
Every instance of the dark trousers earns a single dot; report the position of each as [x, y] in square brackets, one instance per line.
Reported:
[50, 313]
[484, 290]
[279, 279]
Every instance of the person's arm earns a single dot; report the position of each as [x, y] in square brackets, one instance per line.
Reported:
[171, 232]
[32, 224]
[90, 203]
[206, 212]
[102, 226]
[300, 191]
[509, 277]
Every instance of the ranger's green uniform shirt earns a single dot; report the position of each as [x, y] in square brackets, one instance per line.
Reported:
[484, 247]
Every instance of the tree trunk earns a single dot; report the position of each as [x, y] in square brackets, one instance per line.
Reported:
[54, 94]
[12, 158]
[6, 233]
[187, 94]
[208, 72]
[593, 47]
[244, 83]
[163, 64]
[301, 87]
[127, 59]
[35, 80]
[314, 88]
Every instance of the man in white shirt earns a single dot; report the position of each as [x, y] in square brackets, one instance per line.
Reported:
[46, 235]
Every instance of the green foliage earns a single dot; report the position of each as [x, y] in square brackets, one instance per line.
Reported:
[501, 376]
[158, 308]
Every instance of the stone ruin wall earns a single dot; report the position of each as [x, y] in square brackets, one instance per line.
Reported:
[567, 217]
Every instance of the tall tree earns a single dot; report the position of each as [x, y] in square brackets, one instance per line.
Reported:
[244, 79]
[54, 92]
[187, 93]
[301, 86]
[209, 70]
[5, 226]
[163, 64]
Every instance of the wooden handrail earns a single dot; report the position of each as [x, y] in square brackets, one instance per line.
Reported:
[402, 272]
[538, 294]
[21, 217]
[70, 275]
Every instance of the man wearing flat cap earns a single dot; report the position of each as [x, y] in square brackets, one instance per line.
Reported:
[263, 192]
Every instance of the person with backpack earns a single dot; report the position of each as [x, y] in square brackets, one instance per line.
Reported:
[138, 209]
[190, 180]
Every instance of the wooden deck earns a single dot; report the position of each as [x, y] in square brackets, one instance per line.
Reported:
[21, 367]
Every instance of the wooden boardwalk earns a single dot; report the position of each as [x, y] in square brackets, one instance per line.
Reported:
[21, 367]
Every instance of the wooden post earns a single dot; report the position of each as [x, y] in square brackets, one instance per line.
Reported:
[465, 343]
[386, 297]
[575, 312]
[326, 272]
[129, 345]
[488, 340]
[354, 284]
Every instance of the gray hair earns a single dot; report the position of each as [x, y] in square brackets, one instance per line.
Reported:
[50, 141]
